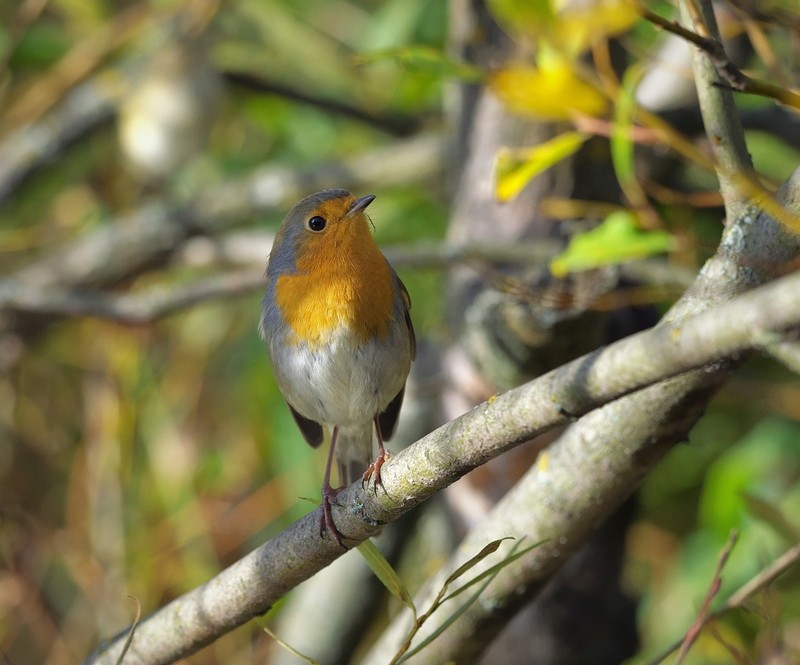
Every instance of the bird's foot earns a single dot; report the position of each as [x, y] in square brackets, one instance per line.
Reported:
[326, 523]
[373, 472]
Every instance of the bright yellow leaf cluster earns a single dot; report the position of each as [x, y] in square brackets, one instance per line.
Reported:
[577, 28]
[553, 91]
[569, 26]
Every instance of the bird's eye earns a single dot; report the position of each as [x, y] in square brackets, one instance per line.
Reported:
[317, 223]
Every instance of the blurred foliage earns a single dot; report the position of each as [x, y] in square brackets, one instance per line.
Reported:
[142, 460]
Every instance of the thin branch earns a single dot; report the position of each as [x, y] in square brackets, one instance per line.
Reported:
[660, 280]
[742, 596]
[716, 584]
[85, 107]
[126, 308]
[733, 77]
[253, 246]
[723, 128]
[763, 579]
[393, 123]
[124, 246]
[250, 586]
[82, 58]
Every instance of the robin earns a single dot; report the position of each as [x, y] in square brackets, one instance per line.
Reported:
[339, 336]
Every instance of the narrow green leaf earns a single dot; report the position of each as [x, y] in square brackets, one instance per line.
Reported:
[772, 515]
[515, 168]
[616, 240]
[422, 58]
[480, 556]
[446, 624]
[288, 648]
[621, 140]
[491, 572]
[132, 630]
[488, 576]
[386, 574]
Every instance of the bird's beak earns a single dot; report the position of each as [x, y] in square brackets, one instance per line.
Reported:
[360, 204]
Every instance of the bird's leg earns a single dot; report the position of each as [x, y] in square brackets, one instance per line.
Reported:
[373, 471]
[328, 494]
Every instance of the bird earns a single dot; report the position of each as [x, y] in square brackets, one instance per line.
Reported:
[337, 327]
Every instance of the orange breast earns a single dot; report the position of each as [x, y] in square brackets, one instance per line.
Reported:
[341, 281]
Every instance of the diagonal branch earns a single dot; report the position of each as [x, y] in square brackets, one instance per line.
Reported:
[249, 587]
[599, 461]
[741, 596]
[734, 77]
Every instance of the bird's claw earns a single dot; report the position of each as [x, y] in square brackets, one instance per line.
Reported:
[373, 472]
[326, 523]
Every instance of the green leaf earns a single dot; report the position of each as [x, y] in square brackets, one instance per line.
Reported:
[291, 650]
[772, 515]
[386, 574]
[622, 144]
[422, 58]
[446, 624]
[491, 572]
[616, 240]
[132, 630]
[480, 556]
[514, 168]
[487, 577]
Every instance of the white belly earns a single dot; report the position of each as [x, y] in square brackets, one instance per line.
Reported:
[341, 384]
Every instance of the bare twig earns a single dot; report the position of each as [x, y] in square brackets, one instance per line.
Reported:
[393, 123]
[82, 58]
[716, 584]
[742, 596]
[83, 108]
[659, 280]
[733, 77]
[126, 308]
[720, 118]
[785, 351]
[764, 578]
[125, 246]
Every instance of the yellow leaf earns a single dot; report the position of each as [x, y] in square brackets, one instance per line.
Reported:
[553, 91]
[579, 26]
[530, 18]
[515, 168]
[569, 26]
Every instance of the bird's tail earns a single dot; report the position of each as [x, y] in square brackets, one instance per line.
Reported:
[353, 454]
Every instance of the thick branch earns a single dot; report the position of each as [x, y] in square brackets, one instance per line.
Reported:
[252, 585]
[601, 459]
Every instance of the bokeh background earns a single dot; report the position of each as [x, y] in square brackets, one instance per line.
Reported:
[139, 458]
